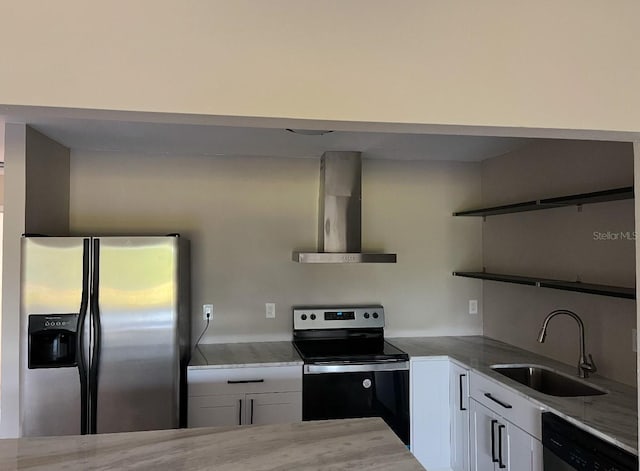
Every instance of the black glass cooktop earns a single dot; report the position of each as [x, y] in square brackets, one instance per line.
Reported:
[352, 349]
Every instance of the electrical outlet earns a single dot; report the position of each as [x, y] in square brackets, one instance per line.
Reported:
[207, 312]
[270, 310]
[473, 306]
[634, 340]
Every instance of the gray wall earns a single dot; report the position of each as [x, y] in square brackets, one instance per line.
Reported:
[14, 136]
[47, 185]
[560, 243]
[36, 200]
[245, 215]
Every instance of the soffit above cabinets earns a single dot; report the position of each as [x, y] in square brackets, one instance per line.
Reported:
[225, 140]
[263, 138]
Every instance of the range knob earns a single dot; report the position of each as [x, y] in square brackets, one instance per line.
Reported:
[313, 317]
[375, 315]
[366, 315]
[303, 317]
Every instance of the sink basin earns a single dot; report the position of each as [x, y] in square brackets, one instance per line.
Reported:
[548, 381]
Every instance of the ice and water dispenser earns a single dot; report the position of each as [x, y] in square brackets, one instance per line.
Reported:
[52, 340]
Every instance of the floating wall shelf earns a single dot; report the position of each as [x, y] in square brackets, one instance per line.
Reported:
[549, 203]
[603, 290]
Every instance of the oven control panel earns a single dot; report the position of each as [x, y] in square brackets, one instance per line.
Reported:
[322, 317]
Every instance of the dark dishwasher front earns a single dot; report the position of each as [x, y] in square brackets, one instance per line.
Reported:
[569, 448]
[347, 395]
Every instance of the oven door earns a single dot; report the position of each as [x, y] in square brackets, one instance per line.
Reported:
[345, 391]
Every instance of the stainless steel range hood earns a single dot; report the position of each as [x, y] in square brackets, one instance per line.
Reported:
[339, 214]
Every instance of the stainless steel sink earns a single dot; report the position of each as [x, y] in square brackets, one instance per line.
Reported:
[548, 381]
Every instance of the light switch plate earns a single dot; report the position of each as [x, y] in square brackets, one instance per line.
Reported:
[270, 310]
[473, 306]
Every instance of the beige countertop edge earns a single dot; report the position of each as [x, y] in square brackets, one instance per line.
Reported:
[245, 365]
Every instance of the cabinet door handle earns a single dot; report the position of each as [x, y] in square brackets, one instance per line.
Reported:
[501, 464]
[493, 441]
[240, 412]
[497, 401]
[245, 381]
[460, 384]
[251, 422]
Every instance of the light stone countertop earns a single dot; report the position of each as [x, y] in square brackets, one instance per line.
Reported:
[322, 445]
[612, 417]
[244, 355]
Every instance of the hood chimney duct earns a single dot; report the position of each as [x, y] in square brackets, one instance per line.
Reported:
[340, 213]
[339, 210]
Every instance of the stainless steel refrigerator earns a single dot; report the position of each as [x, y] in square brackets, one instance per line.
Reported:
[105, 334]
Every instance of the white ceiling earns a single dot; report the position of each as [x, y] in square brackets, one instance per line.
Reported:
[197, 139]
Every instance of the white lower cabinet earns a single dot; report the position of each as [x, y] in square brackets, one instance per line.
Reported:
[464, 421]
[506, 428]
[244, 396]
[459, 407]
[430, 413]
[496, 444]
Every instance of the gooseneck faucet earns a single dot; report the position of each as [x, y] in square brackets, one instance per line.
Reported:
[584, 367]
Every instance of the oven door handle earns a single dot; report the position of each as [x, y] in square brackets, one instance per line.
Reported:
[355, 367]
[356, 362]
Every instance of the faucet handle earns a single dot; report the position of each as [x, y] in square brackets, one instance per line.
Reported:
[588, 366]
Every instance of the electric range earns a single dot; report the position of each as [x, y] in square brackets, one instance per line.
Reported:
[350, 371]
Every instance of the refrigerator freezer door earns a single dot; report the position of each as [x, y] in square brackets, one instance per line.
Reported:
[52, 281]
[138, 373]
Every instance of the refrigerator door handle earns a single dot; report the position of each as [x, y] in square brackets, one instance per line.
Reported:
[80, 339]
[95, 356]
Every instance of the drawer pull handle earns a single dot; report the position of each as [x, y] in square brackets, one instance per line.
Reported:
[501, 464]
[460, 384]
[251, 421]
[240, 412]
[493, 441]
[497, 401]
[245, 381]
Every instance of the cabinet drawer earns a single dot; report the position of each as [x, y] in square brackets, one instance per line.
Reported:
[506, 403]
[217, 381]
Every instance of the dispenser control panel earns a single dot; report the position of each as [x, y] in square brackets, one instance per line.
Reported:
[53, 322]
